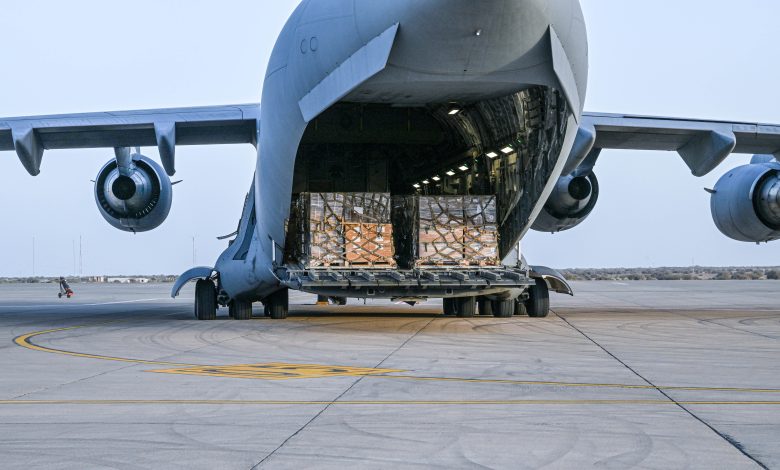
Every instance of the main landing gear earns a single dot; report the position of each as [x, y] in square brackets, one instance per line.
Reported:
[205, 300]
[240, 309]
[277, 305]
[537, 305]
[462, 307]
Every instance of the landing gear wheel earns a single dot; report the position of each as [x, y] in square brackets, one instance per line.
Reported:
[465, 307]
[520, 309]
[503, 308]
[240, 309]
[205, 300]
[485, 306]
[538, 303]
[341, 301]
[278, 304]
[449, 308]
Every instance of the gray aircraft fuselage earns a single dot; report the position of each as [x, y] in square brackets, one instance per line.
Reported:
[477, 53]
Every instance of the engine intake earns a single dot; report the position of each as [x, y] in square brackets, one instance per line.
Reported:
[746, 202]
[570, 203]
[136, 199]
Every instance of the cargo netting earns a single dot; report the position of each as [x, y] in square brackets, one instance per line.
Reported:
[377, 230]
[345, 229]
[457, 230]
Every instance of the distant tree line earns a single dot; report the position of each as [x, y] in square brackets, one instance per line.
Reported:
[158, 278]
[696, 273]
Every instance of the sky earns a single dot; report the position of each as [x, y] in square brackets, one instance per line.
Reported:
[710, 59]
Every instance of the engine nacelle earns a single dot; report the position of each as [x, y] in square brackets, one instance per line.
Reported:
[137, 199]
[746, 202]
[570, 203]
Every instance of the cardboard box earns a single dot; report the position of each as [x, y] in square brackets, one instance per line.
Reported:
[369, 244]
[481, 246]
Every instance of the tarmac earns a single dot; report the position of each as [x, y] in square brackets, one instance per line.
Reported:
[624, 375]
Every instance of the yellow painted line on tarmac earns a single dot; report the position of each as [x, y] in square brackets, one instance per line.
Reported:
[278, 371]
[25, 342]
[284, 371]
[381, 402]
[268, 371]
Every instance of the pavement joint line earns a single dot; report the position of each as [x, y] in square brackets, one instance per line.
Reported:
[25, 341]
[672, 400]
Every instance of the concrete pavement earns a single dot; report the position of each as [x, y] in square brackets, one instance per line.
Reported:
[646, 374]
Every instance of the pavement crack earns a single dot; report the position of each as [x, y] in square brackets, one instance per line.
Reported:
[723, 436]
[334, 401]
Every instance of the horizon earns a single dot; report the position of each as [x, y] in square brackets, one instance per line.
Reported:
[625, 268]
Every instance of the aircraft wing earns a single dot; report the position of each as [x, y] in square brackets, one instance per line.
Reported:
[702, 144]
[163, 128]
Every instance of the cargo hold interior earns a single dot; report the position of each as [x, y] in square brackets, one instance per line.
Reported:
[470, 171]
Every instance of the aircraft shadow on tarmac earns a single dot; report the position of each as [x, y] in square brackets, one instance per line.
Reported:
[359, 312]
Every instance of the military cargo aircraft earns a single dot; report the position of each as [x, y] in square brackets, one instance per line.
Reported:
[458, 124]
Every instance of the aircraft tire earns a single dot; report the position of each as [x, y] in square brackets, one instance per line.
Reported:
[503, 308]
[520, 309]
[485, 306]
[278, 304]
[538, 303]
[465, 307]
[341, 301]
[449, 307]
[240, 309]
[205, 300]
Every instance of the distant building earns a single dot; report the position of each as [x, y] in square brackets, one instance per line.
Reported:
[128, 280]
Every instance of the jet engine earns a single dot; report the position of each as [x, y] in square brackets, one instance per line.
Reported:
[570, 203]
[136, 197]
[746, 202]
